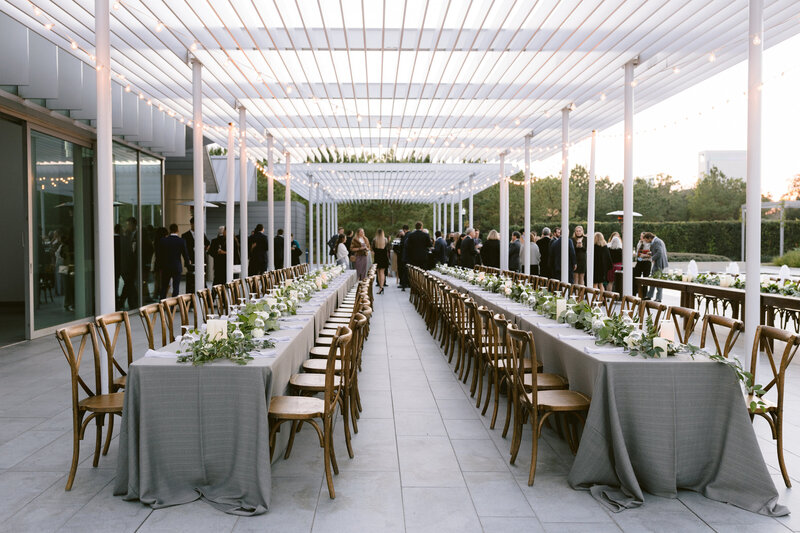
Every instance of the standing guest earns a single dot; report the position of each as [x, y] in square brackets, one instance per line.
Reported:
[615, 251]
[397, 256]
[440, 249]
[380, 247]
[130, 293]
[454, 258]
[189, 238]
[535, 255]
[642, 265]
[333, 242]
[219, 253]
[158, 264]
[342, 253]
[169, 252]
[490, 251]
[360, 248]
[514, 248]
[297, 252]
[467, 248]
[258, 251]
[417, 244]
[555, 257]
[478, 241]
[544, 253]
[602, 261]
[278, 244]
[580, 242]
[148, 258]
[658, 255]
[117, 260]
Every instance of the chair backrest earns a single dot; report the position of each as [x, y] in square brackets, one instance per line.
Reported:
[685, 320]
[591, 294]
[188, 305]
[120, 322]
[357, 343]
[338, 350]
[767, 336]
[234, 292]
[631, 306]
[710, 325]
[206, 300]
[607, 299]
[491, 337]
[221, 296]
[577, 291]
[172, 310]
[148, 314]
[520, 342]
[652, 309]
[86, 336]
[254, 285]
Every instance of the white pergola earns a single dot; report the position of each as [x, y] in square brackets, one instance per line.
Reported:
[480, 81]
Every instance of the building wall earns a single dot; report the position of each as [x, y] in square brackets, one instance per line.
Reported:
[13, 215]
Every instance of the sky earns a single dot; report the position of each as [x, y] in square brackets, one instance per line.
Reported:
[674, 150]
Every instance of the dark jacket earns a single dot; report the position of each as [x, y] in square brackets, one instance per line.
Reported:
[440, 250]
[259, 244]
[278, 251]
[555, 259]
[416, 248]
[468, 253]
[189, 239]
[514, 249]
[602, 263]
[490, 253]
[544, 260]
[169, 251]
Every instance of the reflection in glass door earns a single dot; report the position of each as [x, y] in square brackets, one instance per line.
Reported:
[63, 231]
[126, 227]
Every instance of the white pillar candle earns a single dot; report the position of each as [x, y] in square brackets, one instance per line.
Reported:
[561, 306]
[217, 329]
[660, 343]
[667, 330]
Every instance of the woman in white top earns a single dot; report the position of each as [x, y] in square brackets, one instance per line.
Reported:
[341, 252]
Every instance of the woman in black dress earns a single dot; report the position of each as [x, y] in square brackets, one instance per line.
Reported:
[380, 247]
[602, 261]
[490, 251]
[579, 240]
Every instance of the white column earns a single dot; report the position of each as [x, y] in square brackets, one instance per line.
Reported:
[453, 213]
[526, 242]
[270, 205]
[197, 175]
[565, 195]
[324, 234]
[310, 221]
[433, 221]
[331, 228]
[444, 213]
[107, 287]
[752, 295]
[503, 214]
[627, 185]
[460, 207]
[321, 251]
[287, 215]
[471, 194]
[244, 224]
[590, 217]
[230, 203]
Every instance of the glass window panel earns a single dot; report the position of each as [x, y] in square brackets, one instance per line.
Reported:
[152, 221]
[63, 206]
[126, 229]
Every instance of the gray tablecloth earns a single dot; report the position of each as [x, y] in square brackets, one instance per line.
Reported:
[202, 432]
[654, 425]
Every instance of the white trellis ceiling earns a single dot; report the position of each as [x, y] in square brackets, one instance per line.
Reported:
[458, 80]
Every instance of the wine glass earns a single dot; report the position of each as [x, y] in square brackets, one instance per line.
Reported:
[237, 333]
[258, 322]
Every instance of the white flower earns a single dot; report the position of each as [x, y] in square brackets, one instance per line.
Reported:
[507, 291]
[258, 332]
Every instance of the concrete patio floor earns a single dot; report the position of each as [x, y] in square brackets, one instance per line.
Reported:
[425, 460]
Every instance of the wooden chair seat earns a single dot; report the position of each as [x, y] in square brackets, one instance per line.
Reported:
[760, 409]
[546, 382]
[561, 400]
[319, 352]
[345, 307]
[338, 314]
[308, 382]
[323, 341]
[296, 407]
[526, 364]
[103, 403]
[337, 320]
[327, 332]
[120, 382]
[317, 366]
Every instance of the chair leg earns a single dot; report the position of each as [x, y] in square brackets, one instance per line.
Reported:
[76, 452]
[328, 458]
[496, 400]
[508, 412]
[291, 439]
[779, 431]
[534, 450]
[490, 383]
[345, 407]
[108, 434]
[98, 439]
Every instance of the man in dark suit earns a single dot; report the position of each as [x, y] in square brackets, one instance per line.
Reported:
[468, 252]
[514, 249]
[278, 244]
[188, 237]
[555, 257]
[544, 253]
[258, 251]
[440, 249]
[417, 244]
[170, 250]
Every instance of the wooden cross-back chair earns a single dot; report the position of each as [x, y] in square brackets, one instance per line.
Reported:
[710, 324]
[151, 316]
[94, 404]
[654, 310]
[631, 306]
[173, 316]
[221, 300]
[772, 411]
[607, 300]
[189, 314]
[120, 323]
[685, 320]
[206, 299]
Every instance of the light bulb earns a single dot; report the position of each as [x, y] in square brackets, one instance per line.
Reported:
[159, 26]
[711, 57]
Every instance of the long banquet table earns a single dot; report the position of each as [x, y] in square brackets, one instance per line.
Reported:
[192, 432]
[654, 425]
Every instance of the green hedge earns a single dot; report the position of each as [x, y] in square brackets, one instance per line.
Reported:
[717, 237]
